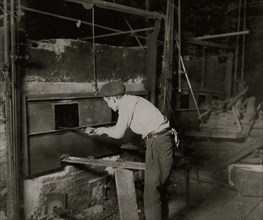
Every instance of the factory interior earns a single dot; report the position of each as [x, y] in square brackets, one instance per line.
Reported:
[199, 62]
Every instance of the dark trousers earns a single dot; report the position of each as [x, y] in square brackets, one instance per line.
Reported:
[158, 164]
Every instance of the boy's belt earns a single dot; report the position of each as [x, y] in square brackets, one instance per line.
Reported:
[162, 132]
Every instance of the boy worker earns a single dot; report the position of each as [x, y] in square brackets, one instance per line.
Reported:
[143, 118]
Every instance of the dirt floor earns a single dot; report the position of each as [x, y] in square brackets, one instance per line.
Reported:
[203, 199]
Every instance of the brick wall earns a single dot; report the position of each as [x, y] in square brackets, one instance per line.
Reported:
[74, 188]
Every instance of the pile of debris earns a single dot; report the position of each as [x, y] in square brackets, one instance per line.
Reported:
[239, 116]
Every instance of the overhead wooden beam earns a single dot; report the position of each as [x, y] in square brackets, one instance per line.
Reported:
[119, 8]
[222, 35]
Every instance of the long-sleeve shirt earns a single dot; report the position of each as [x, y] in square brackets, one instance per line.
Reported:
[140, 115]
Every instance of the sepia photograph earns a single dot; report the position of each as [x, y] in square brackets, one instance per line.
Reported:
[131, 110]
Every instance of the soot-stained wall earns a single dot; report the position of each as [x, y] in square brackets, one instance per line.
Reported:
[64, 60]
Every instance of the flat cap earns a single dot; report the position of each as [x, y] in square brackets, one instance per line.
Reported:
[112, 89]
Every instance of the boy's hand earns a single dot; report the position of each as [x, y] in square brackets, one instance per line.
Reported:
[89, 130]
[100, 131]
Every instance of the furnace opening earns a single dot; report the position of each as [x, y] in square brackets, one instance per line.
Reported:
[66, 115]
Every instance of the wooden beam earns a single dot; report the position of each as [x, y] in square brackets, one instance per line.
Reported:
[106, 163]
[119, 8]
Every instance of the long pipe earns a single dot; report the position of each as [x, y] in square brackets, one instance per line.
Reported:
[179, 47]
[11, 119]
[119, 33]
[94, 53]
[74, 20]
[120, 8]
[10, 201]
[15, 109]
[130, 27]
[237, 49]
[222, 35]
[244, 41]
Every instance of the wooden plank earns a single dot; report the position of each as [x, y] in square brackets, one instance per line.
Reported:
[126, 194]
[107, 163]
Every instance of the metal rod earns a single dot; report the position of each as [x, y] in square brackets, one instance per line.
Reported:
[207, 43]
[126, 21]
[8, 115]
[132, 31]
[179, 46]
[6, 34]
[68, 18]
[191, 90]
[119, 33]
[94, 52]
[237, 46]
[203, 68]
[120, 8]
[244, 41]
[71, 129]
[222, 35]
[74, 20]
